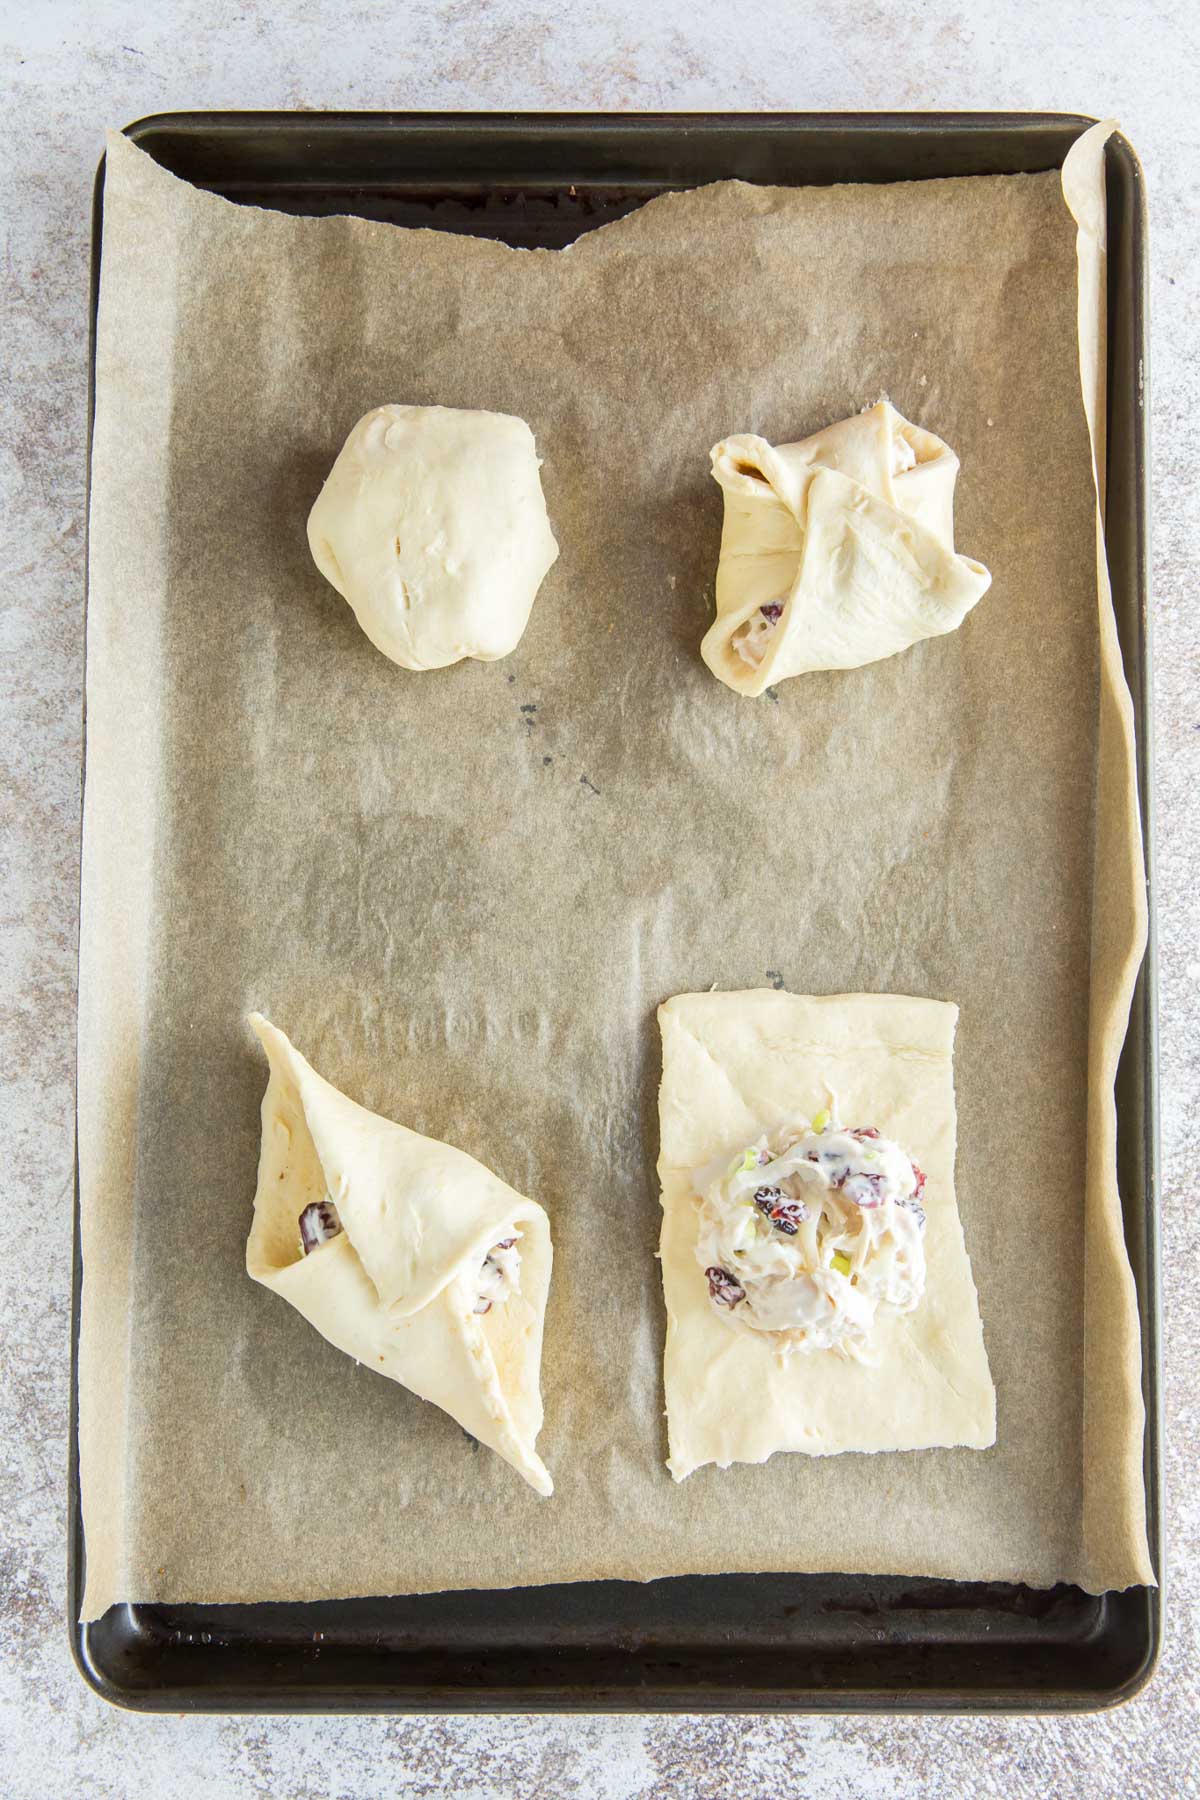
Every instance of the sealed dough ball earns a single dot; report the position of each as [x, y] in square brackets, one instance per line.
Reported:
[433, 526]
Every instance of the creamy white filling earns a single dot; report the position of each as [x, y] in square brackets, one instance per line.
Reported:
[499, 1275]
[751, 639]
[318, 1223]
[903, 455]
[809, 1232]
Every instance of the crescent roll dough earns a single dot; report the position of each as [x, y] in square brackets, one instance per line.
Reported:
[432, 525]
[835, 552]
[398, 1286]
[736, 1065]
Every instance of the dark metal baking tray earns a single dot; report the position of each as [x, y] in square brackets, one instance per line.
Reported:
[723, 1643]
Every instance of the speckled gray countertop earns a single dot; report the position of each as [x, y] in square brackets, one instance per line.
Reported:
[67, 70]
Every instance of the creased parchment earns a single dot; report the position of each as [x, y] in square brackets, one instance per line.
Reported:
[464, 893]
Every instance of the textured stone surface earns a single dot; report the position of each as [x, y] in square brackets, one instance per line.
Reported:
[67, 70]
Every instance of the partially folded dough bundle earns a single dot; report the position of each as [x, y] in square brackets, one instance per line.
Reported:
[835, 552]
[407, 1254]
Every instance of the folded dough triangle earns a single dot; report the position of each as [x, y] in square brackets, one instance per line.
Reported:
[854, 547]
[396, 1288]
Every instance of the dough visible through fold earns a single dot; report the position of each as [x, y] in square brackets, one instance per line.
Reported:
[846, 540]
[734, 1065]
[396, 1288]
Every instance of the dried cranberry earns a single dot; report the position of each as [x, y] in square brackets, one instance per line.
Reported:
[920, 1175]
[318, 1224]
[863, 1188]
[724, 1289]
[864, 1131]
[772, 610]
[785, 1215]
[504, 1244]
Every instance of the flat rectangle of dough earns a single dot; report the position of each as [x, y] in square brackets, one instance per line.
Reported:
[738, 1064]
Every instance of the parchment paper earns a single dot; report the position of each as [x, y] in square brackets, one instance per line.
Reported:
[464, 893]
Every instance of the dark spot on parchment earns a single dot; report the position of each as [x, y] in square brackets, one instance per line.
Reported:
[775, 978]
[589, 785]
[546, 761]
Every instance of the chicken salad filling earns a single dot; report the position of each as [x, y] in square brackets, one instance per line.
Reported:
[810, 1231]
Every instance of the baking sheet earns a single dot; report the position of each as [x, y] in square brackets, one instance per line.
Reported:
[473, 938]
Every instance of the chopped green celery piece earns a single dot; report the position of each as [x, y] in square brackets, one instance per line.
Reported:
[821, 1120]
[841, 1262]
